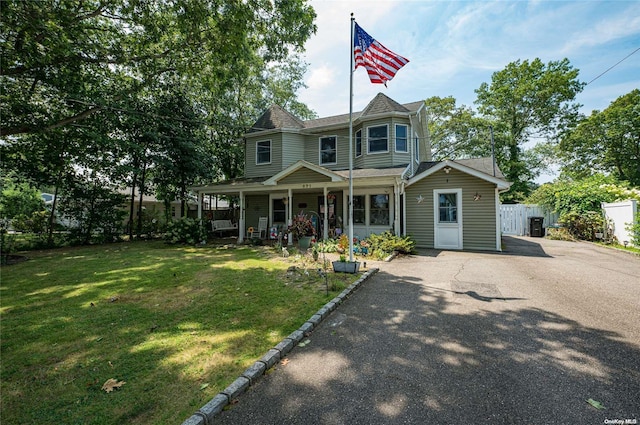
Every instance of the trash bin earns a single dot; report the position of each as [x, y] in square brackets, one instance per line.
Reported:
[536, 229]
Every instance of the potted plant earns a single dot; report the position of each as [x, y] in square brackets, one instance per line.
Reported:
[302, 229]
[344, 266]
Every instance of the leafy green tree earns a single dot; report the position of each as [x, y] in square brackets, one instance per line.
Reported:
[456, 131]
[606, 142]
[531, 100]
[80, 80]
[65, 60]
[19, 199]
[94, 207]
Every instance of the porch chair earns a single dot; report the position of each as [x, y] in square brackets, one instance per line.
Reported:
[262, 229]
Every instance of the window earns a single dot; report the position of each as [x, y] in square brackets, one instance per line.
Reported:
[358, 143]
[359, 209]
[378, 139]
[328, 150]
[279, 211]
[448, 208]
[416, 150]
[401, 138]
[263, 152]
[379, 210]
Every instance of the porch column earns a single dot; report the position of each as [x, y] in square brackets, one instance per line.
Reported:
[325, 224]
[241, 219]
[289, 215]
[200, 196]
[396, 209]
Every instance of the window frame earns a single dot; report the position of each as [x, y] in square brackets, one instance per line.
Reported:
[335, 150]
[363, 209]
[450, 212]
[358, 136]
[258, 152]
[372, 210]
[405, 138]
[369, 139]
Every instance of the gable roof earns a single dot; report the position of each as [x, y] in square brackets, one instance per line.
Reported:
[481, 168]
[484, 165]
[302, 164]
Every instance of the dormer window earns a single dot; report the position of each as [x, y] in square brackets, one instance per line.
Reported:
[378, 139]
[263, 152]
[328, 150]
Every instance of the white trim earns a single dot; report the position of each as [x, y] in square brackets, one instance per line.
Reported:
[407, 138]
[436, 219]
[498, 223]
[388, 139]
[335, 141]
[270, 152]
[355, 136]
[500, 184]
[302, 164]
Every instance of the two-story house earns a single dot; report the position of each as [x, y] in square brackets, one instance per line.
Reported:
[294, 166]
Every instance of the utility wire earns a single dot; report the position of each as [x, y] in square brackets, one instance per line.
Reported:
[610, 68]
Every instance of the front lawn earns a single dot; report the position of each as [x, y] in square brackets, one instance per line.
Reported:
[177, 324]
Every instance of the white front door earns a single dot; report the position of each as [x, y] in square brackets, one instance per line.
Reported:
[447, 213]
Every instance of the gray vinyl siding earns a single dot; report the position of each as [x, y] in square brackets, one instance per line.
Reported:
[293, 149]
[304, 175]
[254, 170]
[478, 217]
[256, 206]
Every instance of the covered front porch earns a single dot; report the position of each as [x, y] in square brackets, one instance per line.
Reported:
[321, 194]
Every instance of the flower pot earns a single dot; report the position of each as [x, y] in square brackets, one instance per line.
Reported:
[346, 266]
[304, 242]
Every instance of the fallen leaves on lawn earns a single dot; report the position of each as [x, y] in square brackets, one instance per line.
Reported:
[203, 386]
[111, 384]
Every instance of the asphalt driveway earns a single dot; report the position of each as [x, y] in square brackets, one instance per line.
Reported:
[522, 337]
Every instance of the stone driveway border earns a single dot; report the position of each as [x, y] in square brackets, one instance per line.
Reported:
[207, 413]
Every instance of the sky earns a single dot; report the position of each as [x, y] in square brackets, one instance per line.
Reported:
[455, 46]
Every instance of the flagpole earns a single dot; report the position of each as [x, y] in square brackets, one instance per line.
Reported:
[351, 143]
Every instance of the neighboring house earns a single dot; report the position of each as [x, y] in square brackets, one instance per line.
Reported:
[156, 207]
[293, 165]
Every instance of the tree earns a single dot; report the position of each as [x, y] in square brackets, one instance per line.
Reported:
[606, 142]
[18, 198]
[531, 100]
[456, 132]
[80, 82]
[65, 60]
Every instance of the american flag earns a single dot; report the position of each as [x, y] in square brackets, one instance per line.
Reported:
[381, 63]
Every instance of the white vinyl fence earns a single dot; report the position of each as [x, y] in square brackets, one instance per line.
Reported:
[514, 218]
[621, 215]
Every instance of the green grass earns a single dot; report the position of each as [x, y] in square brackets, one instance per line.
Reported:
[167, 320]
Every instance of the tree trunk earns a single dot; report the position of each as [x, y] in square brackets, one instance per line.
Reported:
[142, 184]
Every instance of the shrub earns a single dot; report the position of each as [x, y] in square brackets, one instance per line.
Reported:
[386, 243]
[37, 222]
[583, 226]
[634, 228]
[186, 231]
